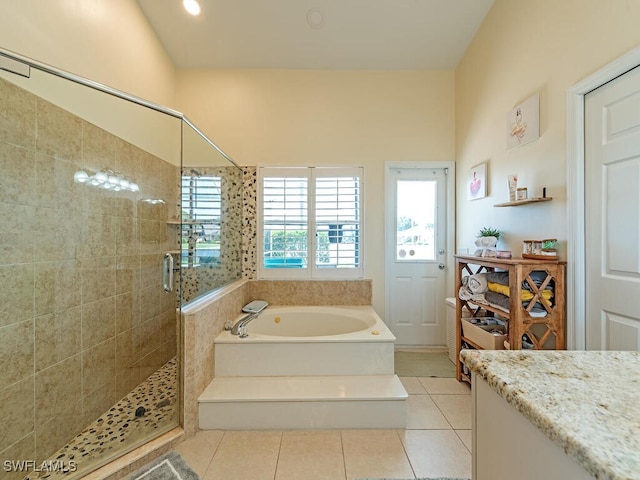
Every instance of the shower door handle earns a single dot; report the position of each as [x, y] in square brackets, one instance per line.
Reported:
[167, 272]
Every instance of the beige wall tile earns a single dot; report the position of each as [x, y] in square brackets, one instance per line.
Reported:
[150, 301]
[127, 311]
[58, 388]
[312, 292]
[58, 234]
[16, 294]
[17, 231]
[57, 337]
[59, 132]
[58, 430]
[98, 148]
[98, 366]
[97, 236]
[18, 119]
[57, 286]
[126, 235]
[98, 278]
[25, 449]
[99, 401]
[98, 322]
[16, 352]
[54, 183]
[17, 180]
[17, 412]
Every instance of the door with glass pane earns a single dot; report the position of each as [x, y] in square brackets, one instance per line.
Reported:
[416, 239]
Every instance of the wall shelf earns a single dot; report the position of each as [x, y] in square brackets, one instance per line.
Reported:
[526, 201]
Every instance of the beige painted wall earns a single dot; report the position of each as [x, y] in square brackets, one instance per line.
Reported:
[108, 41]
[524, 47]
[303, 117]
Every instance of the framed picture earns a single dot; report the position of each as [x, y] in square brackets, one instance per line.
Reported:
[523, 123]
[477, 182]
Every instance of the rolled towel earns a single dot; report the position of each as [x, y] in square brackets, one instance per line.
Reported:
[465, 294]
[477, 283]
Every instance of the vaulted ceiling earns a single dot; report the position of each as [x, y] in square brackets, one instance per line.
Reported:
[317, 34]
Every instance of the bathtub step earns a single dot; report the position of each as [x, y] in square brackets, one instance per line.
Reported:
[304, 402]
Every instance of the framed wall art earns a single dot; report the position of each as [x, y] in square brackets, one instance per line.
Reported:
[477, 182]
[523, 122]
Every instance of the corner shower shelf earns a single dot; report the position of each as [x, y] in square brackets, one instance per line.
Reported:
[526, 201]
[190, 222]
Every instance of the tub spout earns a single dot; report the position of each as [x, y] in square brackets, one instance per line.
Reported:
[242, 323]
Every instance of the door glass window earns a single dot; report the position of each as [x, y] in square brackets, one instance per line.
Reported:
[416, 220]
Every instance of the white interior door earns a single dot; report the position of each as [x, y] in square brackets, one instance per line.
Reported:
[416, 243]
[612, 227]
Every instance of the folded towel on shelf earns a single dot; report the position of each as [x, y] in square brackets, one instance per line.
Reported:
[499, 300]
[473, 288]
[465, 294]
[525, 295]
[498, 277]
[476, 283]
[537, 277]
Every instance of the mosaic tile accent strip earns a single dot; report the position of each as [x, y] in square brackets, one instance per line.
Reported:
[250, 223]
[123, 427]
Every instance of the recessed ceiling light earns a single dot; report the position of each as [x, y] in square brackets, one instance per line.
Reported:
[191, 6]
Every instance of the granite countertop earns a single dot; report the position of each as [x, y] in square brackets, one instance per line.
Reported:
[587, 403]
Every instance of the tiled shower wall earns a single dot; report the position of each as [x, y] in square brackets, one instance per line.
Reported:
[83, 316]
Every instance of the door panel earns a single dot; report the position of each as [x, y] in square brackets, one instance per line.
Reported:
[612, 198]
[416, 243]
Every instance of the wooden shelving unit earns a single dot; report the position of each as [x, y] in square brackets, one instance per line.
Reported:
[526, 201]
[549, 329]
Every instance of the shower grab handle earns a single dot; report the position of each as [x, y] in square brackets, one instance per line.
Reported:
[167, 272]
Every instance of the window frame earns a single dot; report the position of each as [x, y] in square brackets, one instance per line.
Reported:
[310, 271]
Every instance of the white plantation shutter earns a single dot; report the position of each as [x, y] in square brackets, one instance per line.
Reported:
[310, 222]
[337, 218]
[285, 219]
[201, 209]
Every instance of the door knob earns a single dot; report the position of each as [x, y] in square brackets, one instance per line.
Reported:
[441, 266]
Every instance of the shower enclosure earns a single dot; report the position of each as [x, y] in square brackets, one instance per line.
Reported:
[93, 234]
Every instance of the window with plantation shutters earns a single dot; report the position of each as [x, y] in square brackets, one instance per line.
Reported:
[310, 222]
[201, 208]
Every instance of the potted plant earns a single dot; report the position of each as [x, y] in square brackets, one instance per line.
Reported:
[486, 241]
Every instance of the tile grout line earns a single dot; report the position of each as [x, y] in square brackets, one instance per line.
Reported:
[275, 470]
[215, 450]
[406, 454]
[344, 459]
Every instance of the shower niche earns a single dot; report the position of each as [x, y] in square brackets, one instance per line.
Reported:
[91, 200]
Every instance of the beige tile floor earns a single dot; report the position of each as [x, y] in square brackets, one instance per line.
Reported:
[435, 443]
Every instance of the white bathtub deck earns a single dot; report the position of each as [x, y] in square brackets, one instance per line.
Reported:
[303, 402]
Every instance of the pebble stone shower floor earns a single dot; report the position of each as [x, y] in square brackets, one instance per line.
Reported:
[119, 429]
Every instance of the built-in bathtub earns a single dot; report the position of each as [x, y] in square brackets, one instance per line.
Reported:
[305, 368]
[310, 340]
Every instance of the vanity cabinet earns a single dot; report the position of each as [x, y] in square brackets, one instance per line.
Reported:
[544, 330]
